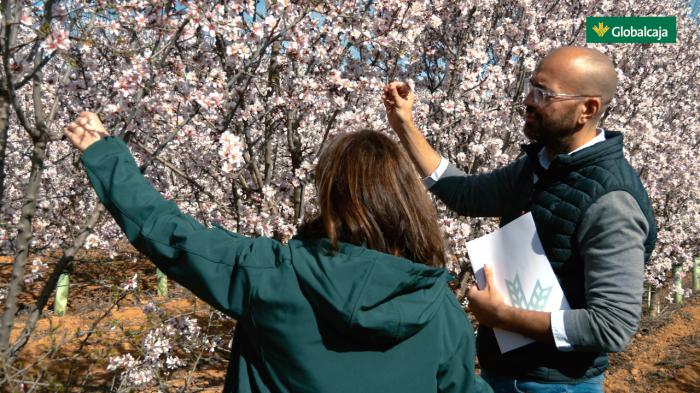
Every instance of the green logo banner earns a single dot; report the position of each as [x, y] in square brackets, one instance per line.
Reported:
[633, 29]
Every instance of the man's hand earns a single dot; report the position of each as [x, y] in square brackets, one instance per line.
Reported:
[489, 309]
[398, 100]
[85, 130]
[487, 304]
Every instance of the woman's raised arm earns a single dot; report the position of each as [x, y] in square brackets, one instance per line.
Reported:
[208, 261]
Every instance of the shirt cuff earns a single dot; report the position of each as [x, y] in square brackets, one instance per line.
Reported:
[558, 331]
[435, 176]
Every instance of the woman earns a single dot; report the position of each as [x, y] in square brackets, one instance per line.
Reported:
[339, 308]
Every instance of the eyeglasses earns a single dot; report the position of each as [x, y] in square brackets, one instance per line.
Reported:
[541, 96]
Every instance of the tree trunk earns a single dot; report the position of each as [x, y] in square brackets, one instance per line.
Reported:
[655, 304]
[67, 257]
[677, 285]
[4, 127]
[53, 279]
[294, 146]
[696, 275]
[24, 238]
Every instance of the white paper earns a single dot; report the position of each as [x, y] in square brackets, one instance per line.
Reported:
[514, 251]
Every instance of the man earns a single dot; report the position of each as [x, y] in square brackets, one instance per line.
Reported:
[591, 211]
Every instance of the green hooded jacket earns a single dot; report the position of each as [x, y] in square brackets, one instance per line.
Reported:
[308, 320]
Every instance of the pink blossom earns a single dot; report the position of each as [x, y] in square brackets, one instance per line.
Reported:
[58, 39]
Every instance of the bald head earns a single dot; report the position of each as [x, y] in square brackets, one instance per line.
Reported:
[583, 71]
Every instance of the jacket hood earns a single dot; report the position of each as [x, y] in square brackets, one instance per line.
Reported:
[373, 297]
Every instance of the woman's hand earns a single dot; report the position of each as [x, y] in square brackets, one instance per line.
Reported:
[85, 130]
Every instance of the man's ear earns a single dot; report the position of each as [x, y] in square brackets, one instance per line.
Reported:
[591, 109]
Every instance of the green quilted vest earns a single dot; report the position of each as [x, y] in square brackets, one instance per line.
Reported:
[558, 202]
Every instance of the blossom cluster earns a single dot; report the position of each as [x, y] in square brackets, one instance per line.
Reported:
[163, 349]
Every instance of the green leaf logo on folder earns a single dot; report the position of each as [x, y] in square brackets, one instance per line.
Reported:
[538, 297]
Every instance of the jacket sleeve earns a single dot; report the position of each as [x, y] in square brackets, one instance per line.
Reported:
[207, 261]
[483, 195]
[611, 238]
[456, 374]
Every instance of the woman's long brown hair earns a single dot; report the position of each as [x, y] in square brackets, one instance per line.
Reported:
[369, 194]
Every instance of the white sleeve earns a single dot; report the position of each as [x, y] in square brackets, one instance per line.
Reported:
[558, 331]
[435, 176]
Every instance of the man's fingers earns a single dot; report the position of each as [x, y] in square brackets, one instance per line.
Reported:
[387, 98]
[399, 92]
[471, 292]
[404, 90]
[394, 94]
[411, 97]
[488, 275]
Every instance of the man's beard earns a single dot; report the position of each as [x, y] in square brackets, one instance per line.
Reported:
[553, 133]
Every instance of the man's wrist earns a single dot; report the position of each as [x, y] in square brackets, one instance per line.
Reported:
[501, 314]
[408, 125]
[403, 126]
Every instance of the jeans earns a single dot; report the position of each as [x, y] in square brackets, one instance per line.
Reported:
[505, 384]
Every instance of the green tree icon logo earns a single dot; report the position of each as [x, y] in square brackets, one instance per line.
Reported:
[538, 297]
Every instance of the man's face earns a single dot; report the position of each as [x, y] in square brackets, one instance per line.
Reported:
[554, 119]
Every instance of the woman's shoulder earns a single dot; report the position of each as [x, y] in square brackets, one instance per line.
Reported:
[256, 251]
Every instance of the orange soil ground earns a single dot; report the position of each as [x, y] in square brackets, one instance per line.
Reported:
[663, 357]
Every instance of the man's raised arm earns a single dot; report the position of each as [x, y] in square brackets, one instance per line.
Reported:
[483, 195]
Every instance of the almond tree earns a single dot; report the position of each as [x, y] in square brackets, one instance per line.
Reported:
[226, 104]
